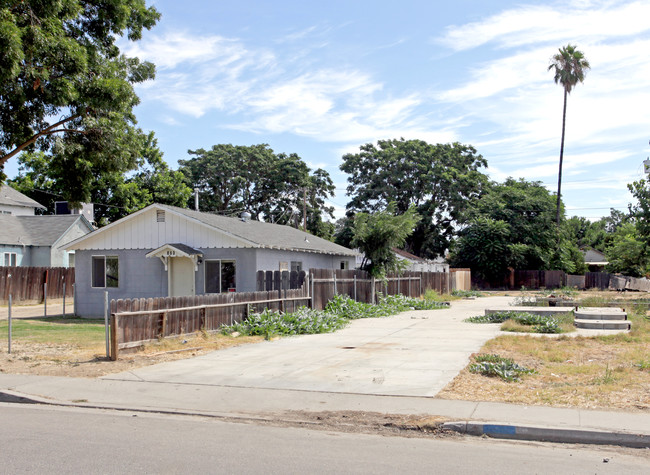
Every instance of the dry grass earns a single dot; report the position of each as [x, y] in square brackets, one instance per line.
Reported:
[592, 372]
[59, 348]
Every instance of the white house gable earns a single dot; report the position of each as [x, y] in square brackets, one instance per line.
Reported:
[153, 228]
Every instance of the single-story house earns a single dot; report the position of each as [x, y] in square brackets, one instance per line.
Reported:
[15, 203]
[419, 264]
[164, 251]
[39, 241]
[595, 260]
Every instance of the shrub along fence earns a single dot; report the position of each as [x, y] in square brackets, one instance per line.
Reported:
[27, 283]
[357, 284]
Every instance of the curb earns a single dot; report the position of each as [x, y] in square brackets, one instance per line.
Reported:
[545, 434]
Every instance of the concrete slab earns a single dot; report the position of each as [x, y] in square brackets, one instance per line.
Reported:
[416, 353]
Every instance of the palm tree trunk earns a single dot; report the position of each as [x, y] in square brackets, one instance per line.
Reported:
[559, 176]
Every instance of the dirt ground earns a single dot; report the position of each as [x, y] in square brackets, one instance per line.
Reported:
[70, 361]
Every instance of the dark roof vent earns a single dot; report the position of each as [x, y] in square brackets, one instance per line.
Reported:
[160, 216]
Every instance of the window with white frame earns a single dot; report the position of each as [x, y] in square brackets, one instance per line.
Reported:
[220, 276]
[105, 271]
[345, 265]
[10, 259]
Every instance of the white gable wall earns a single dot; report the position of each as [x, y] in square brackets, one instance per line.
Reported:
[143, 231]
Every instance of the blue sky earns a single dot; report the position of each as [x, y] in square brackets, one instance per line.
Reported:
[321, 78]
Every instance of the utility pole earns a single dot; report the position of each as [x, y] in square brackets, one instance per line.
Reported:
[304, 209]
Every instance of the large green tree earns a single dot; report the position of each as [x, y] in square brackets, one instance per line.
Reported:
[113, 194]
[569, 66]
[274, 187]
[64, 83]
[376, 234]
[512, 225]
[439, 180]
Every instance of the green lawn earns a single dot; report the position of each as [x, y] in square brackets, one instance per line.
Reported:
[80, 332]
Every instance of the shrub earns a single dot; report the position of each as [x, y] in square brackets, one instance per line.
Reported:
[540, 323]
[497, 366]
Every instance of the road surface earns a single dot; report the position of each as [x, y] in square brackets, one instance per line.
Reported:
[44, 439]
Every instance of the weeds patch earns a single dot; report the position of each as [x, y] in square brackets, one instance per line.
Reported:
[493, 365]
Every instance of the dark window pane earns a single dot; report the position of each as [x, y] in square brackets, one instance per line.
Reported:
[212, 277]
[112, 272]
[98, 271]
[227, 275]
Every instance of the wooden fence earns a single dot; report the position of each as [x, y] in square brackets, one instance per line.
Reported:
[136, 321]
[548, 279]
[460, 279]
[360, 286]
[26, 283]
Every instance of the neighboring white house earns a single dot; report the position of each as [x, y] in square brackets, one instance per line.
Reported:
[163, 251]
[418, 264]
[596, 261]
[14, 203]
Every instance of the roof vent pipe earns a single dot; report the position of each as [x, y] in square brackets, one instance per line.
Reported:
[245, 216]
[196, 199]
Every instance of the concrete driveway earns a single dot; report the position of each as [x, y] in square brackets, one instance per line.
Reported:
[412, 354]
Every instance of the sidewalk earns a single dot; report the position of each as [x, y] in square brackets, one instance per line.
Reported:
[494, 419]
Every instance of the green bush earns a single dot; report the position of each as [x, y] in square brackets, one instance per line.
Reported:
[540, 323]
[302, 321]
[497, 366]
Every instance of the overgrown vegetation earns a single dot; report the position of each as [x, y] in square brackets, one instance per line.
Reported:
[604, 371]
[496, 366]
[466, 293]
[338, 312]
[523, 321]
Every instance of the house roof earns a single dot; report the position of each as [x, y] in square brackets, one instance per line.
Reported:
[265, 234]
[408, 255]
[9, 196]
[249, 233]
[594, 257]
[35, 230]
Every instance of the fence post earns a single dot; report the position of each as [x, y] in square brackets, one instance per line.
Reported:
[9, 322]
[108, 353]
[311, 301]
[74, 299]
[335, 291]
[372, 290]
[64, 298]
[399, 282]
[355, 288]
[45, 300]
[114, 344]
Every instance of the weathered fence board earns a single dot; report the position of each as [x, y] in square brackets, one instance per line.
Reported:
[26, 283]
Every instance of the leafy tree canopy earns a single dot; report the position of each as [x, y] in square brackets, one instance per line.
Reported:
[114, 195]
[440, 180]
[627, 253]
[274, 187]
[62, 75]
[376, 234]
[512, 225]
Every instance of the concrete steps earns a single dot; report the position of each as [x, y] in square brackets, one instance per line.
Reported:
[601, 318]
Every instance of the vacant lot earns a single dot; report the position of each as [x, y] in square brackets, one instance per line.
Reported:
[592, 372]
[76, 347]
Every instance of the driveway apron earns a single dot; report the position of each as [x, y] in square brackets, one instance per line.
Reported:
[415, 353]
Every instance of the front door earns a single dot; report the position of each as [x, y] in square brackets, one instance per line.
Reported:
[181, 277]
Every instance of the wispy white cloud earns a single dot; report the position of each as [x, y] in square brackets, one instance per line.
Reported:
[558, 22]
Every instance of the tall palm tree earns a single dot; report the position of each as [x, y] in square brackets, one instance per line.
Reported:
[570, 67]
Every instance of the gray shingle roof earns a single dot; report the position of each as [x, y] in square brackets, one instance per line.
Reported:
[9, 196]
[265, 234]
[34, 230]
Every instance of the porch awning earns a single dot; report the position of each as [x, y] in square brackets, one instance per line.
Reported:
[167, 251]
